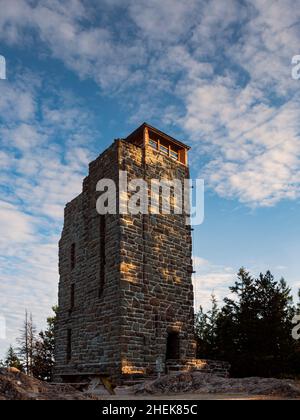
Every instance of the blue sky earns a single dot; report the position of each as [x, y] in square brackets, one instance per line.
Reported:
[212, 73]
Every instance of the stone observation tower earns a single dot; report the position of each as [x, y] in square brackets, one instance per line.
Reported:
[125, 291]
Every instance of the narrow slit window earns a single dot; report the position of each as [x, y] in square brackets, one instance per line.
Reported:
[156, 323]
[72, 297]
[102, 253]
[69, 345]
[153, 144]
[73, 256]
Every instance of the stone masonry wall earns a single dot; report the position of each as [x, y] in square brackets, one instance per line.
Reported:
[147, 290]
[213, 367]
[156, 267]
[95, 318]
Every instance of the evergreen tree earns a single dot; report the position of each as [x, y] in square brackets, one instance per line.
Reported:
[254, 327]
[206, 331]
[43, 359]
[12, 360]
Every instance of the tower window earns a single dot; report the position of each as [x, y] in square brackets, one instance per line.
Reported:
[102, 254]
[167, 148]
[153, 144]
[164, 150]
[69, 345]
[73, 256]
[156, 324]
[161, 142]
[72, 297]
[174, 155]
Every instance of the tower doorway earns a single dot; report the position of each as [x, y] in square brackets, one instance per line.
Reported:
[173, 346]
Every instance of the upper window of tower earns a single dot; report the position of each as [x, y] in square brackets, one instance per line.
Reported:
[174, 155]
[166, 149]
[147, 135]
[163, 149]
[153, 143]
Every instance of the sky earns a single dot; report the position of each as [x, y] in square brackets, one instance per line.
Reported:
[215, 74]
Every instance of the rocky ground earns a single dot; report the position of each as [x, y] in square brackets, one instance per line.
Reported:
[17, 386]
[200, 383]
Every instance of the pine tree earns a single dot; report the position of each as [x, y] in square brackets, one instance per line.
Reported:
[12, 360]
[43, 359]
[254, 327]
[206, 331]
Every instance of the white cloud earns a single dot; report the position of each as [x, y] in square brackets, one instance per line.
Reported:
[16, 227]
[211, 279]
[164, 20]
[256, 147]
[23, 137]
[5, 160]
[16, 102]
[90, 51]
[38, 176]
[250, 130]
